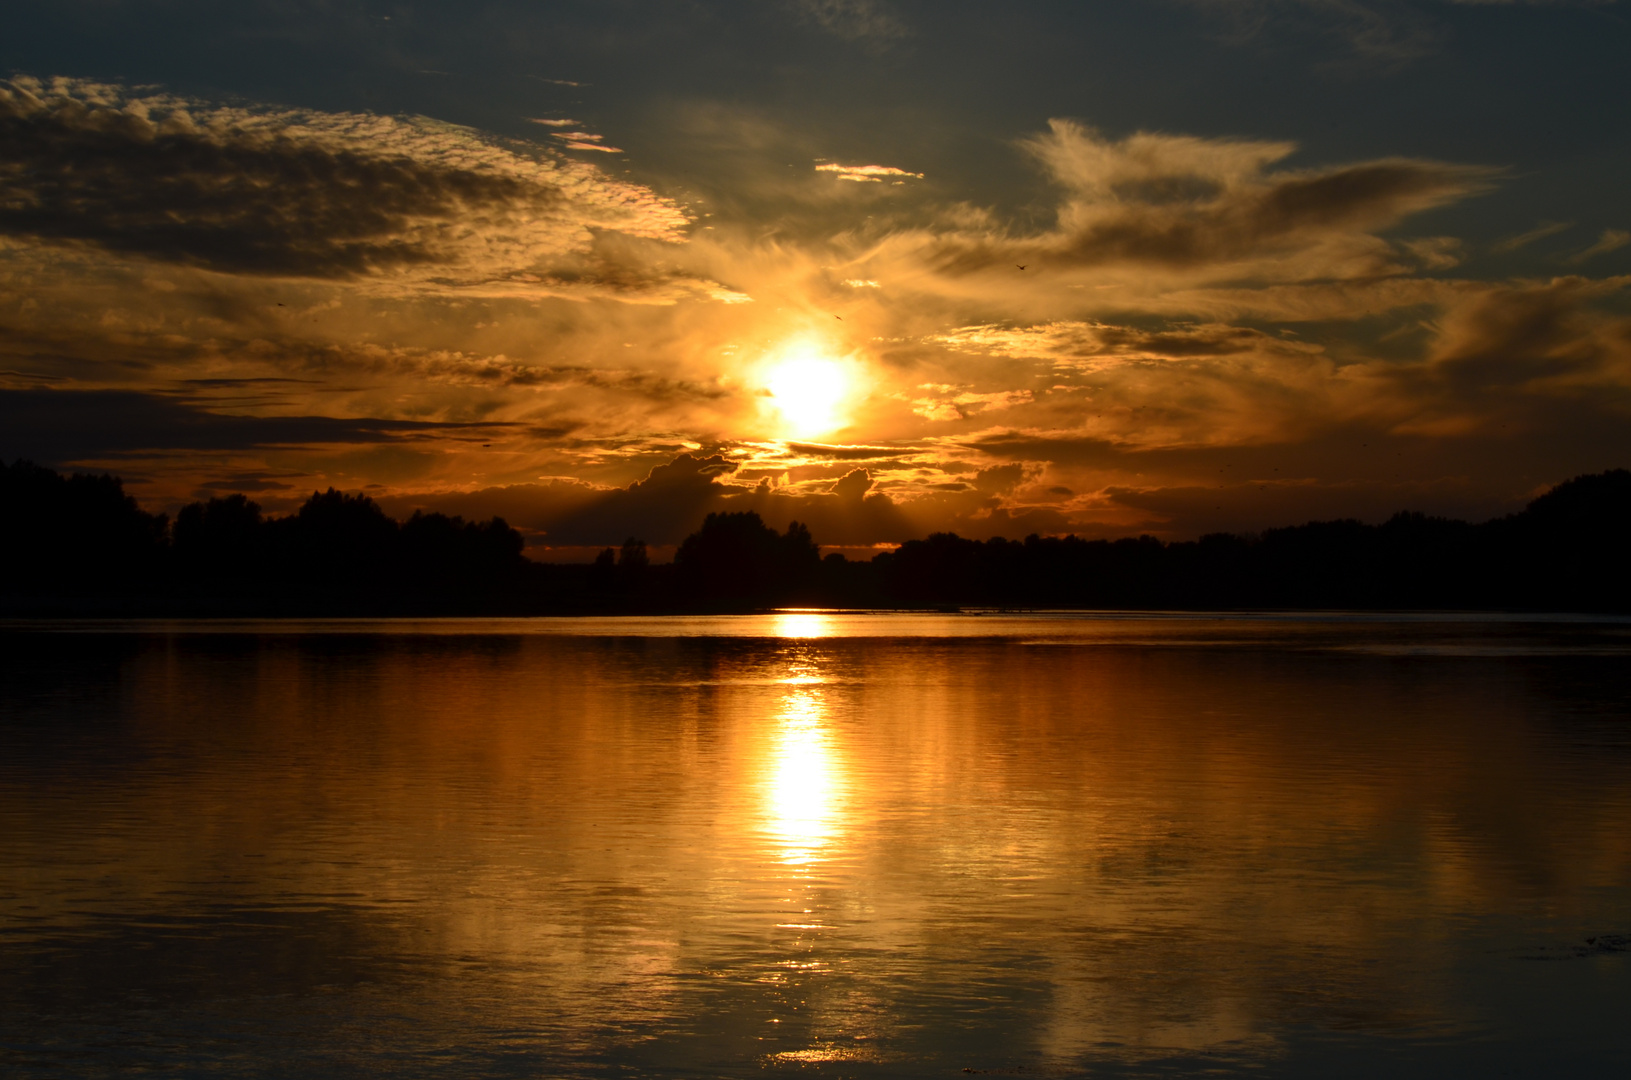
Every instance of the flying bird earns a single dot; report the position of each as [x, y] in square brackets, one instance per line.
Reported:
[1021, 267]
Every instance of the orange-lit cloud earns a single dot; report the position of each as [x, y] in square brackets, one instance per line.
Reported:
[867, 173]
[202, 296]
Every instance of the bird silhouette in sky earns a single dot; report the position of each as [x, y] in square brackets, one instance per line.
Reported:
[1021, 267]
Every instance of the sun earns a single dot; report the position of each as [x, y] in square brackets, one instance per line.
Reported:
[809, 389]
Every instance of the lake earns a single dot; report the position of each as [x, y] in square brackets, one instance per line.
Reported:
[817, 844]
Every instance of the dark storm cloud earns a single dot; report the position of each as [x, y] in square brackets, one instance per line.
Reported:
[1063, 449]
[249, 482]
[1199, 341]
[56, 426]
[848, 453]
[670, 503]
[237, 383]
[291, 194]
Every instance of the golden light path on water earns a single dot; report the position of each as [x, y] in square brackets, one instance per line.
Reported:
[805, 807]
[833, 843]
[802, 773]
[803, 624]
[802, 782]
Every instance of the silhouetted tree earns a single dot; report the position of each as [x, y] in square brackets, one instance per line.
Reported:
[603, 571]
[1568, 548]
[73, 534]
[221, 537]
[633, 567]
[632, 556]
[441, 552]
[736, 559]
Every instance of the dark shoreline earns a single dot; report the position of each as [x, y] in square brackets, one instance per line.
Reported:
[79, 547]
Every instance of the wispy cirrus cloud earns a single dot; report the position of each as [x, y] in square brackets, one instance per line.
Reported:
[1215, 208]
[1529, 236]
[1611, 240]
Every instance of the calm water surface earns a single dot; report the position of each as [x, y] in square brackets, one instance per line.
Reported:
[824, 845]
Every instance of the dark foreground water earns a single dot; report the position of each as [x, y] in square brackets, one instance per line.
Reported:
[822, 845]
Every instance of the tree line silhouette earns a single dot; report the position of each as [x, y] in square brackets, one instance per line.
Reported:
[80, 544]
[78, 539]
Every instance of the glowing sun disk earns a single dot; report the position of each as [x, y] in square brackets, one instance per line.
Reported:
[807, 390]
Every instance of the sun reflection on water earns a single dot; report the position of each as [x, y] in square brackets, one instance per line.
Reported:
[802, 624]
[803, 774]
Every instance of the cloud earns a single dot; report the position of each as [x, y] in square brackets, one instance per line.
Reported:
[848, 511]
[1215, 205]
[661, 509]
[583, 140]
[1153, 213]
[1255, 506]
[1374, 32]
[670, 503]
[847, 453]
[1524, 239]
[867, 174]
[853, 20]
[999, 479]
[1194, 300]
[956, 403]
[533, 508]
[1611, 240]
[249, 483]
[1530, 340]
[62, 426]
[853, 485]
[1094, 345]
[297, 193]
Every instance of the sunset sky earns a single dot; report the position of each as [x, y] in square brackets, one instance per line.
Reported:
[883, 266]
